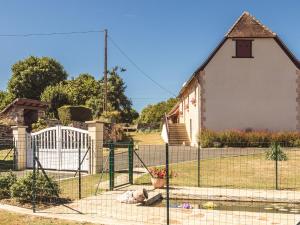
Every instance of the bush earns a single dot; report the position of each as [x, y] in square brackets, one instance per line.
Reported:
[276, 153]
[39, 125]
[6, 181]
[237, 138]
[46, 190]
[67, 114]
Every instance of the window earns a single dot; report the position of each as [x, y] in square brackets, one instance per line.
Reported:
[243, 49]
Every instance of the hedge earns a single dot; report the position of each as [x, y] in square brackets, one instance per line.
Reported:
[236, 138]
[68, 113]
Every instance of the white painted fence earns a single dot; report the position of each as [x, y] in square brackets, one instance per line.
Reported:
[58, 148]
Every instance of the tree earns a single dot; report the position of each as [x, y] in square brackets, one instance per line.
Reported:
[152, 115]
[116, 97]
[83, 88]
[32, 75]
[56, 96]
[5, 99]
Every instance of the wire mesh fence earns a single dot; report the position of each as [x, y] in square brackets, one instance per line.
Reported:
[225, 185]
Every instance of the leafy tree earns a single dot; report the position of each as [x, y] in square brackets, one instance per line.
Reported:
[116, 97]
[5, 99]
[56, 96]
[85, 90]
[32, 75]
[82, 88]
[152, 115]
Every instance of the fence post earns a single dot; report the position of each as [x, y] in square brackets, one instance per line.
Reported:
[130, 162]
[168, 185]
[199, 158]
[96, 134]
[19, 135]
[276, 164]
[79, 170]
[34, 175]
[111, 166]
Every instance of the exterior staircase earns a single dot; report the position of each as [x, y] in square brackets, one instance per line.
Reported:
[178, 134]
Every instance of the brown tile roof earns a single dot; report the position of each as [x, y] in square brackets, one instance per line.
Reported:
[248, 26]
[26, 102]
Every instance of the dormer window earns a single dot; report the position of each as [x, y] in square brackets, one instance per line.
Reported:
[243, 49]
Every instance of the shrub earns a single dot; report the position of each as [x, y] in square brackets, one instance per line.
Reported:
[67, 114]
[45, 190]
[236, 138]
[276, 153]
[6, 181]
[39, 125]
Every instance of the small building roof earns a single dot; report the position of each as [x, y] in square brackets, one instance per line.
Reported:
[26, 102]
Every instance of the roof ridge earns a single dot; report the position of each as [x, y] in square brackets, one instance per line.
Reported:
[252, 17]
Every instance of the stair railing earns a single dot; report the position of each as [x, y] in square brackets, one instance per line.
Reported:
[167, 125]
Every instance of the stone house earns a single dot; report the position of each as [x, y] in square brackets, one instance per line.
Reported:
[250, 81]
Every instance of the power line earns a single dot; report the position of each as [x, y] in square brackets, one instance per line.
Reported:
[138, 68]
[51, 34]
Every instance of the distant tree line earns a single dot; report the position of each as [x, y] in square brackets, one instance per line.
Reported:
[152, 116]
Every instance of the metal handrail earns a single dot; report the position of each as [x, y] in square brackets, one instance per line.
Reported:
[167, 124]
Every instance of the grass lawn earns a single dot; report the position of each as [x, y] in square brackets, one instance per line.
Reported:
[152, 138]
[6, 159]
[70, 188]
[8, 218]
[237, 172]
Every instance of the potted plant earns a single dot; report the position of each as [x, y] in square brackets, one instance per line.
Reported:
[193, 101]
[158, 177]
[187, 107]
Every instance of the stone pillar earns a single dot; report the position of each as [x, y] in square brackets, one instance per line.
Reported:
[19, 134]
[96, 133]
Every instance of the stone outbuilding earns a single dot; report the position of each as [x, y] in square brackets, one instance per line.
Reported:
[23, 111]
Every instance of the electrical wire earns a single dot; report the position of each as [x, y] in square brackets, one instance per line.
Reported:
[51, 34]
[138, 68]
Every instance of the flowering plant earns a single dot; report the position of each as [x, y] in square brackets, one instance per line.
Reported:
[160, 173]
[193, 101]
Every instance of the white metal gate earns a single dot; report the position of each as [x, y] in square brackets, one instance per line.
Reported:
[58, 148]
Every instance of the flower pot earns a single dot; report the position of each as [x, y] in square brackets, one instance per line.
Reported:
[158, 182]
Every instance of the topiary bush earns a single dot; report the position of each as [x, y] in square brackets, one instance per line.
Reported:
[68, 113]
[6, 181]
[46, 190]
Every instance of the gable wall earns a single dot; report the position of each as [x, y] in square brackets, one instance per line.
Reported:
[257, 93]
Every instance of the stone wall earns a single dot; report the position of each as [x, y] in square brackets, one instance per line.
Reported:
[5, 132]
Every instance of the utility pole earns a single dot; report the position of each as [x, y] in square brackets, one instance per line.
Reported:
[105, 71]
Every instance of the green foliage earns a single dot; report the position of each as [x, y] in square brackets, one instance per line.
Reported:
[68, 113]
[57, 96]
[276, 153]
[85, 90]
[152, 115]
[39, 125]
[6, 181]
[5, 99]
[46, 190]
[232, 138]
[117, 99]
[82, 88]
[111, 116]
[32, 75]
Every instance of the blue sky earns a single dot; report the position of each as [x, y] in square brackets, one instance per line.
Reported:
[167, 39]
